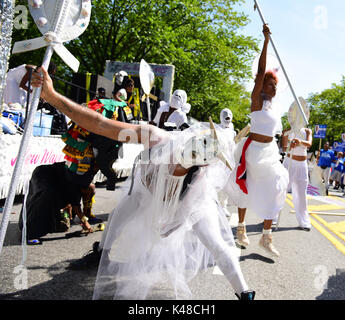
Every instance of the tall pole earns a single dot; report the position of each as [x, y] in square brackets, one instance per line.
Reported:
[256, 6]
[58, 24]
[6, 26]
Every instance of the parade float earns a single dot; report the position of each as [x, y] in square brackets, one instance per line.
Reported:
[44, 147]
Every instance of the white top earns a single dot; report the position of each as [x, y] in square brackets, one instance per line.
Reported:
[302, 149]
[13, 93]
[17, 73]
[178, 117]
[266, 121]
[123, 94]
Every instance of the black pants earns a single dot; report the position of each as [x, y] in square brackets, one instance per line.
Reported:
[108, 153]
[49, 191]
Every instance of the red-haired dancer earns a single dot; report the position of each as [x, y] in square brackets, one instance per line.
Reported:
[261, 179]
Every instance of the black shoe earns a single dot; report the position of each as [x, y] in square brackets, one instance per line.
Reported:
[246, 295]
[90, 260]
[304, 229]
[326, 192]
[111, 186]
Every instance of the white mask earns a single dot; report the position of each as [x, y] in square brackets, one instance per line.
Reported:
[119, 76]
[202, 149]
[178, 99]
[198, 151]
[226, 117]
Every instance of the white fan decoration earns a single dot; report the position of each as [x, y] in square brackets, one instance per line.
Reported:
[295, 117]
[59, 21]
[147, 80]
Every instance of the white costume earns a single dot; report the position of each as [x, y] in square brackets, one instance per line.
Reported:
[298, 179]
[226, 128]
[266, 177]
[123, 94]
[167, 227]
[12, 92]
[179, 102]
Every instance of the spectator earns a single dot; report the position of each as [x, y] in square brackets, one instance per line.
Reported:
[325, 159]
[123, 95]
[338, 171]
[17, 84]
[119, 78]
[100, 93]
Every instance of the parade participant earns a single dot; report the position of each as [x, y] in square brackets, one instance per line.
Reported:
[170, 222]
[261, 179]
[123, 95]
[119, 78]
[16, 84]
[100, 93]
[298, 172]
[339, 169]
[173, 112]
[325, 159]
[227, 128]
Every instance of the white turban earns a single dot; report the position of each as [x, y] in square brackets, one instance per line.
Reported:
[178, 99]
[226, 117]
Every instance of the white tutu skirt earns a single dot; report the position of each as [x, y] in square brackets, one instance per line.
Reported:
[144, 244]
[266, 181]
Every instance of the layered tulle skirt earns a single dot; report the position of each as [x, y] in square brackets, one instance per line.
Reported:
[145, 244]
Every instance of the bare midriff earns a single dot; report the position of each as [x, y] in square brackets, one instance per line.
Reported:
[298, 158]
[260, 138]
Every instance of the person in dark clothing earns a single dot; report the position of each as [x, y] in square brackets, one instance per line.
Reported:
[52, 188]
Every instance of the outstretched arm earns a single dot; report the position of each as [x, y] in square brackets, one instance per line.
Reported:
[299, 142]
[89, 119]
[259, 80]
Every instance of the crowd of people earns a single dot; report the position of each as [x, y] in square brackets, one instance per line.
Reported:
[332, 167]
[172, 217]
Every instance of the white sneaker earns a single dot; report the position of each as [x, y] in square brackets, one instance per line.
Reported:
[241, 235]
[266, 244]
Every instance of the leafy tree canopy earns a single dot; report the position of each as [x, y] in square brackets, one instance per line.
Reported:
[201, 38]
[328, 107]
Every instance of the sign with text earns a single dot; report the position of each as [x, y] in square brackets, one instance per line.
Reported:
[320, 131]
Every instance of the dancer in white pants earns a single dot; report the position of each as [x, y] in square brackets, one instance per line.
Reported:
[296, 163]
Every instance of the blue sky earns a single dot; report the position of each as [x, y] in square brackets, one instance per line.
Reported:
[309, 36]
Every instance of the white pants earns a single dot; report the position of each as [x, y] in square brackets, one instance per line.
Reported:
[208, 231]
[298, 183]
[325, 176]
[336, 176]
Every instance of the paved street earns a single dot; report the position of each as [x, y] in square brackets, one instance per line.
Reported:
[311, 267]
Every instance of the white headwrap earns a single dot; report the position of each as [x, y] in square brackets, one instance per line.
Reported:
[178, 99]
[226, 117]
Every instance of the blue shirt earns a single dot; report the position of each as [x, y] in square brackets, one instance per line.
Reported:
[326, 158]
[340, 167]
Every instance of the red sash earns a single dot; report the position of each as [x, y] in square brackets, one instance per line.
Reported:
[241, 173]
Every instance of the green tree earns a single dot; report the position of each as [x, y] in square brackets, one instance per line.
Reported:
[328, 107]
[201, 38]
